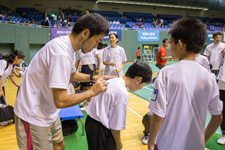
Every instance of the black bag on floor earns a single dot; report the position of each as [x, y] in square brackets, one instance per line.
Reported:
[69, 126]
[6, 113]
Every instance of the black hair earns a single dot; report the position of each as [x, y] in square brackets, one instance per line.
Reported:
[165, 40]
[210, 65]
[217, 33]
[115, 36]
[100, 46]
[138, 47]
[140, 69]
[190, 31]
[11, 57]
[94, 22]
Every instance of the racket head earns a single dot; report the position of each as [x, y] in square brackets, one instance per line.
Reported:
[90, 65]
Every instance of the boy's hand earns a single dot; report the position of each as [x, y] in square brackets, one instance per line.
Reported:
[119, 146]
[99, 86]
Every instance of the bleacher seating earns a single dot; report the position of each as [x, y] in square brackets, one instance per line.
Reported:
[114, 14]
[30, 13]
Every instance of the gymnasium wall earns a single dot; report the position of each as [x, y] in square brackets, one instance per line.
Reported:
[42, 5]
[22, 38]
[31, 39]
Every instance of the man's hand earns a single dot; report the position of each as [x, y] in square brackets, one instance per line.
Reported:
[1, 93]
[104, 77]
[99, 86]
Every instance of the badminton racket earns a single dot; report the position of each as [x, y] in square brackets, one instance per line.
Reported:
[113, 58]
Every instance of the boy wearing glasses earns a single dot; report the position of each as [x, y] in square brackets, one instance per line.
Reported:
[183, 94]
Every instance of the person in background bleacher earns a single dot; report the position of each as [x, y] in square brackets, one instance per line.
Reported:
[218, 24]
[47, 20]
[117, 22]
[114, 21]
[87, 11]
[31, 19]
[55, 17]
[1, 15]
[69, 18]
[11, 18]
[23, 15]
[55, 24]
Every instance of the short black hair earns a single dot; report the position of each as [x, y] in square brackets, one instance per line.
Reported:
[165, 40]
[217, 33]
[138, 47]
[94, 22]
[140, 69]
[210, 65]
[115, 36]
[190, 31]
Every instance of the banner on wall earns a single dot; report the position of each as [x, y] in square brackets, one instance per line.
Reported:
[209, 37]
[116, 31]
[57, 32]
[148, 36]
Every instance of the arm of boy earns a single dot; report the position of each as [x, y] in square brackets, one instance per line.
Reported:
[123, 65]
[221, 54]
[77, 64]
[1, 91]
[98, 64]
[214, 123]
[116, 136]
[154, 129]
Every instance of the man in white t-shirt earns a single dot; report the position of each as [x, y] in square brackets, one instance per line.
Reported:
[86, 60]
[221, 84]
[183, 93]
[203, 61]
[107, 111]
[213, 50]
[43, 90]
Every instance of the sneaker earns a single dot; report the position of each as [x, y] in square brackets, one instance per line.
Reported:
[85, 106]
[83, 103]
[9, 121]
[3, 123]
[145, 140]
[221, 140]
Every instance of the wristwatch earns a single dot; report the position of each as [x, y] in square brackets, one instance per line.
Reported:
[91, 77]
[98, 68]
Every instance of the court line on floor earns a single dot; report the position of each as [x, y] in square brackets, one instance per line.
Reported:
[135, 112]
[148, 88]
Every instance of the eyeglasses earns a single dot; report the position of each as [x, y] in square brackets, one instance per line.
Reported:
[172, 41]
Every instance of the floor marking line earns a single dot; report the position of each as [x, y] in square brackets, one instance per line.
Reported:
[135, 112]
[148, 88]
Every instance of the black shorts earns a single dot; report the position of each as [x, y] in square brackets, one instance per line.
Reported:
[216, 72]
[222, 98]
[98, 136]
[138, 57]
[2, 100]
[86, 70]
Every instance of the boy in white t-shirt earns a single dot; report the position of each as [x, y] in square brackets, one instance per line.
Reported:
[183, 93]
[102, 66]
[107, 111]
[221, 84]
[203, 61]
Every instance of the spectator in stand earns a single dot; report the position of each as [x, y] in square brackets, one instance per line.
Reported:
[11, 18]
[114, 21]
[167, 18]
[66, 20]
[108, 20]
[140, 19]
[218, 24]
[208, 21]
[34, 13]
[55, 24]
[140, 26]
[134, 24]
[23, 15]
[117, 22]
[1, 15]
[47, 20]
[30, 18]
[70, 18]
[87, 11]
[55, 17]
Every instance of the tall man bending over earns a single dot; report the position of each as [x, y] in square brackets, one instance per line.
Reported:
[43, 90]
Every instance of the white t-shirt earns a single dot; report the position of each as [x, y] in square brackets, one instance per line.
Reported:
[5, 73]
[183, 94]
[213, 51]
[100, 51]
[221, 85]
[84, 58]
[202, 60]
[110, 107]
[119, 56]
[50, 68]
[221, 75]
